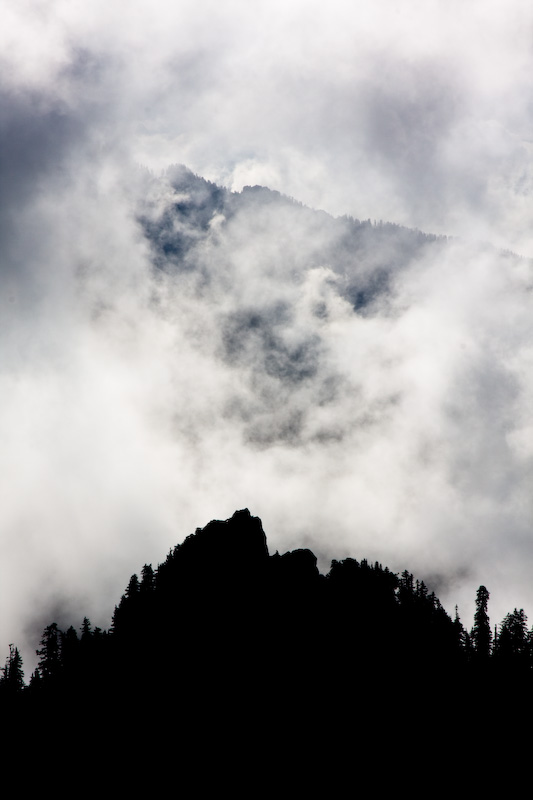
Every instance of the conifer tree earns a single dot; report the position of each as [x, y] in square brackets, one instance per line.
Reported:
[133, 587]
[124, 614]
[35, 680]
[461, 636]
[12, 678]
[147, 579]
[50, 652]
[481, 632]
[69, 647]
[86, 629]
[513, 639]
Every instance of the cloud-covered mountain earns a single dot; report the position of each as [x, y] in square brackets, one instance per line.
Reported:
[172, 350]
[276, 280]
[362, 385]
[361, 361]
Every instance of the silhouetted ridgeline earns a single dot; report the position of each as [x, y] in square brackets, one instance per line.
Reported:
[235, 625]
[224, 654]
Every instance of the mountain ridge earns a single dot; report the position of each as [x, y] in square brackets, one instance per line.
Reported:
[241, 599]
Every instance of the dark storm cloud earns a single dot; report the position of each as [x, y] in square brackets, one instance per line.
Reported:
[34, 139]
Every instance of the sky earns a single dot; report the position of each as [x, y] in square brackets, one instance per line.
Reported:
[125, 424]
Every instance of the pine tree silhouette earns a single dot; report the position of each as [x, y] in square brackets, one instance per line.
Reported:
[12, 678]
[481, 632]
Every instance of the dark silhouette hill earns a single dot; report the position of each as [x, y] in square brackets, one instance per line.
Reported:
[221, 612]
[224, 653]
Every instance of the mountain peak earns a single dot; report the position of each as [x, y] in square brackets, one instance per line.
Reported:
[239, 539]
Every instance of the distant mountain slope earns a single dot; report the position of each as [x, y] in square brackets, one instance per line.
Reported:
[300, 306]
[364, 255]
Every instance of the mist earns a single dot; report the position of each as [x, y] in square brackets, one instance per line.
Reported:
[146, 390]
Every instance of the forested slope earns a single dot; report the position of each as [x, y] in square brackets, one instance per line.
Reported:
[223, 617]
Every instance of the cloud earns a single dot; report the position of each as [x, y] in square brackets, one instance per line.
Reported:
[146, 389]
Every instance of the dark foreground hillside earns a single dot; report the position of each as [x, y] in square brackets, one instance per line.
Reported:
[224, 651]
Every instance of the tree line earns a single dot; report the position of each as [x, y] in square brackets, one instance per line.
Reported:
[219, 611]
